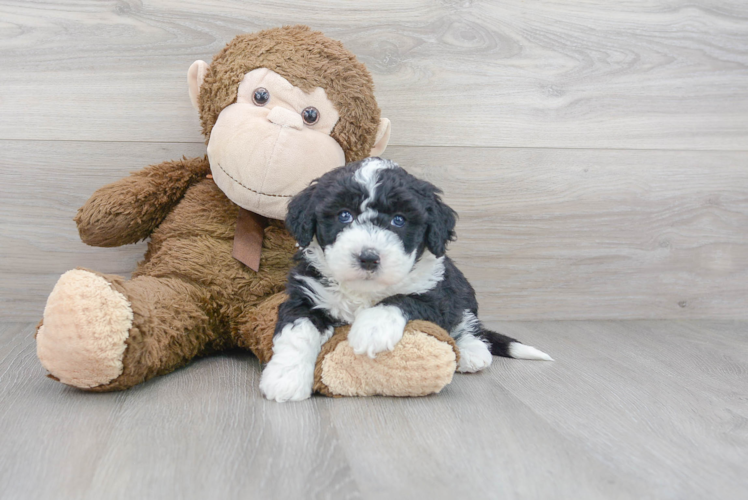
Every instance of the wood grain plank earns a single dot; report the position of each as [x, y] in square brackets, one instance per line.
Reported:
[644, 395]
[472, 440]
[543, 234]
[666, 75]
[215, 426]
[580, 234]
[42, 184]
[48, 431]
[202, 432]
[633, 409]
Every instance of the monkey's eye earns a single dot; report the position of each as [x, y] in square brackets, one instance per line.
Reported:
[310, 115]
[260, 96]
[398, 221]
[345, 217]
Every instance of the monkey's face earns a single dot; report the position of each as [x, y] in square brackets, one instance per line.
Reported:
[272, 143]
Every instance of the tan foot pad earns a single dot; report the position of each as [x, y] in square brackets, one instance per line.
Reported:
[422, 363]
[81, 340]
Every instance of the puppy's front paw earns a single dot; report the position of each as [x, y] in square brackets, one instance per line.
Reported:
[376, 329]
[287, 383]
[289, 376]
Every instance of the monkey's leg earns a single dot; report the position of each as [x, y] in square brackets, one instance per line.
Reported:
[422, 363]
[257, 326]
[104, 333]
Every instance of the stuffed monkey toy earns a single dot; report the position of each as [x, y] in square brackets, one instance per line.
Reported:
[278, 109]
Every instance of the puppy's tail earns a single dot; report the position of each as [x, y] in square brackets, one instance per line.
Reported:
[501, 345]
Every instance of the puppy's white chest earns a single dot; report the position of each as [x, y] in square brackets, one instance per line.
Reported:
[341, 304]
[347, 308]
[344, 303]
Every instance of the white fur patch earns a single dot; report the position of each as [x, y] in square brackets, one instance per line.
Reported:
[344, 300]
[368, 176]
[367, 214]
[376, 330]
[342, 256]
[469, 325]
[522, 351]
[289, 376]
[474, 354]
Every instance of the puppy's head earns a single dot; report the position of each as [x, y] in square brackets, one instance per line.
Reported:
[367, 223]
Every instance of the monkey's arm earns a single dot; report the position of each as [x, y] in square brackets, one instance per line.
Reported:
[128, 210]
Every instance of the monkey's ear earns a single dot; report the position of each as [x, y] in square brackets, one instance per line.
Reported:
[301, 219]
[383, 138]
[195, 76]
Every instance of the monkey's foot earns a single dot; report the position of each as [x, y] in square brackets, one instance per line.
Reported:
[81, 340]
[422, 363]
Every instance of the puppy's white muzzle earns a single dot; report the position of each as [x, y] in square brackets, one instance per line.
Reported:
[368, 254]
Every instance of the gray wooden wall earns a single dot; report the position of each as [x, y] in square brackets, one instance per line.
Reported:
[597, 154]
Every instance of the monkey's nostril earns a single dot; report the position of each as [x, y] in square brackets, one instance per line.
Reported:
[368, 260]
[285, 118]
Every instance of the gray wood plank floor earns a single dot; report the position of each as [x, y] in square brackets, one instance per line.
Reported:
[636, 409]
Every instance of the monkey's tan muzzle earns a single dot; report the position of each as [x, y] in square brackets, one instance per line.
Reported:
[262, 158]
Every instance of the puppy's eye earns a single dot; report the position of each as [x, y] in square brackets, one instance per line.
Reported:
[345, 217]
[310, 115]
[260, 96]
[398, 221]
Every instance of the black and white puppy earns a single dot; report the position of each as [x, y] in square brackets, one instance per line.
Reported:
[373, 241]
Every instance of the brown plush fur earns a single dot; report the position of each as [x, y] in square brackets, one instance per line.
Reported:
[149, 195]
[189, 296]
[307, 59]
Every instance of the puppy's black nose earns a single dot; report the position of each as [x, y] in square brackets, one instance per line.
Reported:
[368, 260]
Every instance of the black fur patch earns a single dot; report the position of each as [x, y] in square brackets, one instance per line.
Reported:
[429, 222]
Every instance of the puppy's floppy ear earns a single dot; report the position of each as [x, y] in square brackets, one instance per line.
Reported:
[440, 227]
[301, 219]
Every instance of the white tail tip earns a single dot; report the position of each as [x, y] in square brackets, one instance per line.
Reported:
[522, 351]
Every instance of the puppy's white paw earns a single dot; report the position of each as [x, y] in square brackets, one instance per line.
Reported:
[376, 329]
[474, 354]
[289, 376]
[287, 383]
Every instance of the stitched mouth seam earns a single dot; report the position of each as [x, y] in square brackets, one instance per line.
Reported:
[253, 190]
